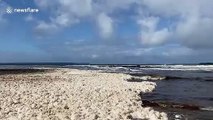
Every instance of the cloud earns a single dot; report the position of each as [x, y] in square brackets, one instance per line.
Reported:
[192, 22]
[175, 51]
[64, 20]
[196, 32]
[29, 18]
[150, 35]
[64, 13]
[110, 6]
[189, 24]
[46, 4]
[94, 56]
[100, 53]
[78, 8]
[43, 29]
[171, 8]
[3, 7]
[105, 24]
[168, 32]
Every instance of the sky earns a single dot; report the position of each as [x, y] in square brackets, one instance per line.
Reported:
[107, 31]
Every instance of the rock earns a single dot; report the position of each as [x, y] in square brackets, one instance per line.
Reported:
[66, 107]
[178, 116]
[96, 117]
[44, 96]
[147, 103]
[129, 117]
[33, 105]
[135, 80]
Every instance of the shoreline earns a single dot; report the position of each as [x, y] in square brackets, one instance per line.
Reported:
[74, 94]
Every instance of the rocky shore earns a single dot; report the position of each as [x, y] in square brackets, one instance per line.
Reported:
[69, 94]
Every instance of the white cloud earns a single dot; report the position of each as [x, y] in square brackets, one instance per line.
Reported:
[3, 7]
[109, 6]
[46, 26]
[43, 29]
[78, 8]
[46, 4]
[177, 51]
[94, 56]
[134, 52]
[64, 20]
[196, 32]
[150, 35]
[29, 18]
[191, 20]
[105, 25]
[64, 13]
[171, 7]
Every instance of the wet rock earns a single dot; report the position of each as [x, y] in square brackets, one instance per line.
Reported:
[147, 103]
[134, 80]
[133, 118]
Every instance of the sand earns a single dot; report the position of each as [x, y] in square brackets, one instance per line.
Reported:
[69, 94]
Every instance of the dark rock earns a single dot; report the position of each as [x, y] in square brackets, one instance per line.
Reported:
[129, 117]
[66, 107]
[134, 80]
[96, 116]
[147, 103]
[22, 71]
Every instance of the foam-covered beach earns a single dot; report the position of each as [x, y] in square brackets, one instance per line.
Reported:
[73, 95]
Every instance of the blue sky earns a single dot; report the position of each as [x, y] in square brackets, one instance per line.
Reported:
[107, 31]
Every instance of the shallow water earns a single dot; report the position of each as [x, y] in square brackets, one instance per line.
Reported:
[193, 88]
[196, 92]
[173, 114]
[191, 92]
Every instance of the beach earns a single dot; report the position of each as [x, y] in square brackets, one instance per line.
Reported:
[71, 94]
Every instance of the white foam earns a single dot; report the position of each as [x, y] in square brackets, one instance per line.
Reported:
[180, 67]
[147, 77]
[207, 108]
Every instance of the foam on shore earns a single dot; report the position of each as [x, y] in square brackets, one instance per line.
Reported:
[74, 94]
